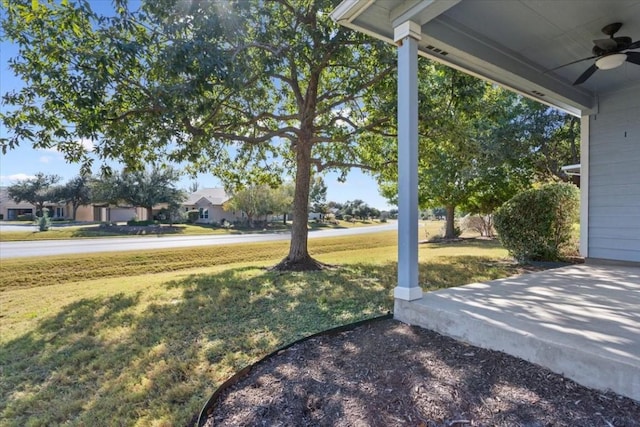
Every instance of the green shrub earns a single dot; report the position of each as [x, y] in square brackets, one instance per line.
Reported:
[44, 222]
[193, 216]
[536, 225]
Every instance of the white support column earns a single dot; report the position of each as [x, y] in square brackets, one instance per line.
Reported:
[407, 36]
[584, 186]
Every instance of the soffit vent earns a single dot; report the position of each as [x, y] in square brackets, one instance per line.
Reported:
[535, 92]
[437, 50]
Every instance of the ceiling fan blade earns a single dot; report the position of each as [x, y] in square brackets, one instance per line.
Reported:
[606, 44]
[634, 45]
[571, 63]
[588, 73]
[633, 57]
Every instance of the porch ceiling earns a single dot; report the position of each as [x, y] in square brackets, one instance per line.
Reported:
[513, 43]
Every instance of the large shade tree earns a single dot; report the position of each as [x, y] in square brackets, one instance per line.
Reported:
[38, 191]
[552, 138]
[463, 123]
[243, 89]
[145, 188]
[76, 192]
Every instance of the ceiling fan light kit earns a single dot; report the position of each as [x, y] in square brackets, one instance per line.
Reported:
[608, 53]
[611, 61]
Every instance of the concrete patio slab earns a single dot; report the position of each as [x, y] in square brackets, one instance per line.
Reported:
[582, 321]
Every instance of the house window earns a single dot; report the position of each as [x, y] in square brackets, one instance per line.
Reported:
[59, 212]
[186, 209]
[204, 213]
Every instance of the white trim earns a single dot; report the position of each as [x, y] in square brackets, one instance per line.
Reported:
[407, 29]
[421, 12]
[571, 169]
[407, 294]
[348, 10]
[584, 186]
[474, 55]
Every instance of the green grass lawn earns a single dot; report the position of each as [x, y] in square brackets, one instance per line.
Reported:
[144, 338]
[93, 231]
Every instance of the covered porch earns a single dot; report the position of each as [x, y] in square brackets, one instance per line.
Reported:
[581, 321]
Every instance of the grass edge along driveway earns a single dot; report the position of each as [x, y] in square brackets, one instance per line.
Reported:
[146, 345]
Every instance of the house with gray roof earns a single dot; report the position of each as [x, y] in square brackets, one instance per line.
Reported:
[209, 202]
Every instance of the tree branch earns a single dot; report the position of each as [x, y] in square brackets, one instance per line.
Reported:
[153, 110]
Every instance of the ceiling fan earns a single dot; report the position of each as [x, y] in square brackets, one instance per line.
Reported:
[608, 53]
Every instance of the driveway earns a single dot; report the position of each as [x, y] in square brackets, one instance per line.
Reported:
[73, 246]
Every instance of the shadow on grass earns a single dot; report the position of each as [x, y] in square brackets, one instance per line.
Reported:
[122, 230]
[156, 357]
[472, 242]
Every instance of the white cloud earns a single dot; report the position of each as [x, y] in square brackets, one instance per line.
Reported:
[44, 159]
[11, 179]
[86, 143]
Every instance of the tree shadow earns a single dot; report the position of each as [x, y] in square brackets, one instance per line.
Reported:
[156, 357]
[126, 230]
[467, 242]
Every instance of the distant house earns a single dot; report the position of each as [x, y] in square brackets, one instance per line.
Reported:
[208, 202]
[10, 210]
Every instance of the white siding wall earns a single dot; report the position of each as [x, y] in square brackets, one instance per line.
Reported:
[614, 177]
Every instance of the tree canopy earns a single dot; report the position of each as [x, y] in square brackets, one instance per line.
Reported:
[261, 200]
[77, 191]
[144, 188]
[461, 122]
[479, 145]
[37, 190]
[246, 90]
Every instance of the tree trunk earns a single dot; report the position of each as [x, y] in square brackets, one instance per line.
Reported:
[39, 210]
[299, 258]
[450, 232]
[75, 211]
[149, 214]
[284, 219]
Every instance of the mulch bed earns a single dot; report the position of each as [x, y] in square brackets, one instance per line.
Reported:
[386, 373]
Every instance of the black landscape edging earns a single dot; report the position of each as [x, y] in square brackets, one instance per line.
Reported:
[206, 409]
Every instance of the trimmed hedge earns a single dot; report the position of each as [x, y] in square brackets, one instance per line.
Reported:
[536, 225]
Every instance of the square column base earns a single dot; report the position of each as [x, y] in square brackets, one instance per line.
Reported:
[407, 294]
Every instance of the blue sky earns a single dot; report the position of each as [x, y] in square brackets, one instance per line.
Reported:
[24, 161]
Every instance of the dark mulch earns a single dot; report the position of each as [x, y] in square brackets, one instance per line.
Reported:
[386, 373]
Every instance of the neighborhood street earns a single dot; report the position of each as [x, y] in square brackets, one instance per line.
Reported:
[74, 246]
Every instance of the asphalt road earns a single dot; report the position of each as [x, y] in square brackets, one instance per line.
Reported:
[115, 244]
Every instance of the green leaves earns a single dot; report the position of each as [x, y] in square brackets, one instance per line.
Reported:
[244, 89]
[538, 224]
[36, 191]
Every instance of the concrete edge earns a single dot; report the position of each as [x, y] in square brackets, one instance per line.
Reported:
[588, 369]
